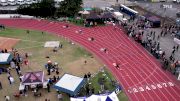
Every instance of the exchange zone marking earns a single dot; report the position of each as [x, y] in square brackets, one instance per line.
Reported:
[150, 87]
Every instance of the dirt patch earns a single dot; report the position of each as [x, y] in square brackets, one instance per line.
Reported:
[80, 68]
[7, 43]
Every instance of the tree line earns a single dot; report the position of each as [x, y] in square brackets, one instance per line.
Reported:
[48, 8]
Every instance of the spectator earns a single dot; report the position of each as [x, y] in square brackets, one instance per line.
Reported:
[85, 76]
[60, 97]
[57, 71]
[11, 79]
[48, 87]
[5, 51]
[0, 85]
[85, 62]
[27, 31]
[54, 78]
[177, 47]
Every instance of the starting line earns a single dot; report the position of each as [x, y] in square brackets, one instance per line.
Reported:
[150, 87]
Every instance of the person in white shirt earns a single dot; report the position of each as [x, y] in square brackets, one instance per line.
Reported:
[7, 98]
[60, 97]
[11, 79]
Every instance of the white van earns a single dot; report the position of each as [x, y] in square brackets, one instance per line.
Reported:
[176, 1]
[109, 9]
[30, 1]
[3, 2]
[20, 2]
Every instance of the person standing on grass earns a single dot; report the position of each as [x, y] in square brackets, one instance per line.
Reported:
[0, 85]
[11, 79]
[17, 70]
[60, 97]
[48, 87]
[7, 98]
[49, 71]
[27, 31]
[85, 62]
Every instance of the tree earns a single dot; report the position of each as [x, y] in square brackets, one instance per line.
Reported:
[68, 8]
[44, 8]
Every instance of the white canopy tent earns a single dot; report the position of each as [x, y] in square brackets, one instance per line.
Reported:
[69, 84]
[77, 99]
[84, 12]
[105, 97]
[118, 15]
[5, 58]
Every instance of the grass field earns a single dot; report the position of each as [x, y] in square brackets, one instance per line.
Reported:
[70, 58]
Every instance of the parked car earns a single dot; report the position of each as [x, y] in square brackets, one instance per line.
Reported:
[178, 14]
[3, 2]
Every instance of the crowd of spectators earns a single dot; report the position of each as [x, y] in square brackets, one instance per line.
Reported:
[136, 29]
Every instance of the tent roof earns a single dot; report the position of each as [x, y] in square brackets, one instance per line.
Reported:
[69, 84]
[147, 15]
[153, 18]
[113, 97]
[30, 78]
[105, 97]
[93, 16]
[118, 14]
[87, 9]
[84, 12]
[107, 15]
[5, 58]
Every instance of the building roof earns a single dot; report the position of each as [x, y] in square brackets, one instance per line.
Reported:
[30, 78]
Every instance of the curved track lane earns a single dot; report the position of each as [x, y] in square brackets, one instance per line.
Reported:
[140, 74]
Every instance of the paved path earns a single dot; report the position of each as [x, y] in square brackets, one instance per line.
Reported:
[140, 74]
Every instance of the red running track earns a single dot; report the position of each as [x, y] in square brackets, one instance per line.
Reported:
[140, 74]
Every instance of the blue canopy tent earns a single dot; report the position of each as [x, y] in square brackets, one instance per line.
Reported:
[155, 21]
[5, 58]
[70, 84]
